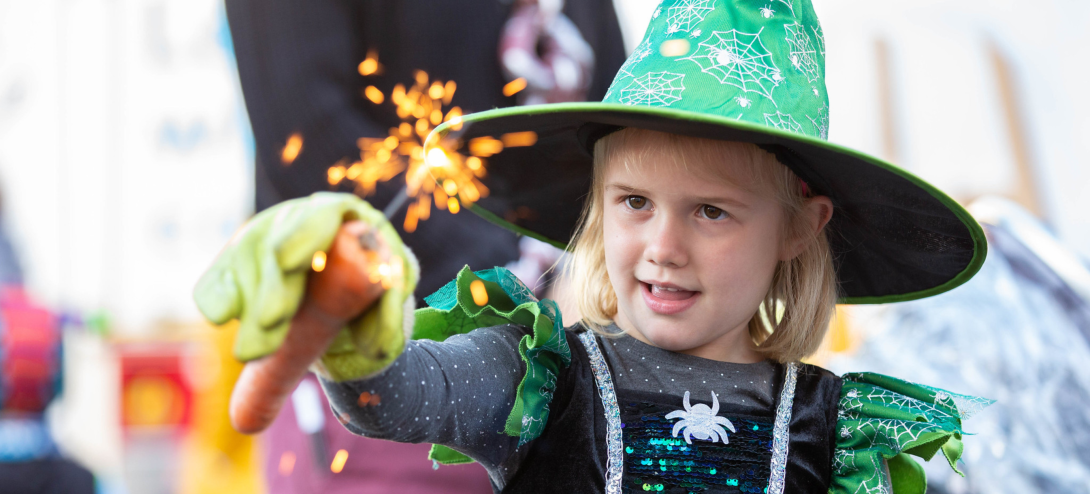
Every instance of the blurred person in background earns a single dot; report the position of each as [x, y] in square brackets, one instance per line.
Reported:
[300, 67]
[30, 377]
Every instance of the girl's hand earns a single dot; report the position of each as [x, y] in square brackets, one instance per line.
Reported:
[345, 286]
[297, 278]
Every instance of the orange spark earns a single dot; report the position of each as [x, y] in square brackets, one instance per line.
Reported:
[518, 139]
[336, 174]
[423, 208]
[485, 146]
[440, 198]
[338, 461]
[512, 88]
[448, 92]
[369, 65]
[410, 220]
[287, 463]
[480, 294]
[436, 90]
[453, 205]
[372, 93]
[292, 149]
[318, 262]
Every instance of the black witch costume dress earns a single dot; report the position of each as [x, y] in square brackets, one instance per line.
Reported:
[551, 409]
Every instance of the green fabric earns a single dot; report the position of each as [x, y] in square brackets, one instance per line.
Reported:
[452, 311]
[732, 59]
[260, 279]
[882, 420]
[447, 456]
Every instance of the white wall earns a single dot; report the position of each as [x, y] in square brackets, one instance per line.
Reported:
[123, 151]
[949, 112]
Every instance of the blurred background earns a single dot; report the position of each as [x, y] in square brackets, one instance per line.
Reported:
[127, 161]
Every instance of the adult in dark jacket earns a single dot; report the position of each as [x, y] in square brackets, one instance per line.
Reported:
[297, 61]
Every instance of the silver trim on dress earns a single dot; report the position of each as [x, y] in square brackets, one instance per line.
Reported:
[780, 432]
[614, 445]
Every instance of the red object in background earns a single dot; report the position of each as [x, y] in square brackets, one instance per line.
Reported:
[154, 391]
[30, 355]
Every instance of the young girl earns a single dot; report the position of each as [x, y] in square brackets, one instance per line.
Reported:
[718, 234]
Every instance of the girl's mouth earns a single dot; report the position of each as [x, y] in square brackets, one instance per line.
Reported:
[667, 299]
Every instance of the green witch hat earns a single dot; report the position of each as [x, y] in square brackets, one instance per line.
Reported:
[737, 70]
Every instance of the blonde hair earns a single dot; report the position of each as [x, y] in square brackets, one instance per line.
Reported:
[794, 315]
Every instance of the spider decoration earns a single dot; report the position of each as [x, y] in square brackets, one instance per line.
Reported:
[701, 422]
[767, 11]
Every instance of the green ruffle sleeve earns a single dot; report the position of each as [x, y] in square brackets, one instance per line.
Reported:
[882, 420]
[501, 298]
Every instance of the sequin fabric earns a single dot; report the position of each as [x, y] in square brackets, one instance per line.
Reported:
[614, 463]
[655, 461]
[781, 433]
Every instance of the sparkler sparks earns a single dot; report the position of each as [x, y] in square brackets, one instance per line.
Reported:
[338, 461]
[318, 262]
[287, 463]
[292, 148]
[512, 88]
[372, 93]
[435, 172]
[369, 65]
[479, 292]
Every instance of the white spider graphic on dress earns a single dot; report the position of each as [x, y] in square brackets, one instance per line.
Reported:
[767, 11]
[701, 422]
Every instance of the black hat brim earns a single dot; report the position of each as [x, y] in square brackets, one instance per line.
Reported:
[894, 236]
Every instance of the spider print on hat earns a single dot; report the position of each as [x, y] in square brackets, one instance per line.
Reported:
[802, 54]
[821, 123]
[654, 89]
[739, 59]
[789, 5]
[783, 121]
[686, 13]
[701, 422]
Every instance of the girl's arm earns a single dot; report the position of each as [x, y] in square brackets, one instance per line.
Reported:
[457, 393]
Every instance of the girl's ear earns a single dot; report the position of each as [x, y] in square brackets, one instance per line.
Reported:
[816, 213]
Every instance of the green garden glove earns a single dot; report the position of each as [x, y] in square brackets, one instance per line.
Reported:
[260, 278]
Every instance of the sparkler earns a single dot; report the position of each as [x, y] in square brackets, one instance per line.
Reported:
[435, 172]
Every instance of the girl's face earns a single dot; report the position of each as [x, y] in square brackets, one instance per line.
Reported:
[690, 251]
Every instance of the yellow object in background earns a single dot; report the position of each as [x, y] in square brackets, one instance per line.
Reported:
[216, 458]
[839, 339]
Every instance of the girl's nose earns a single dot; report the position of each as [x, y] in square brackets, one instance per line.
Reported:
[666, 245]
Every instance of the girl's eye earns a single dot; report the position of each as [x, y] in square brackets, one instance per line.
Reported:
[713, 213]
[636, 202]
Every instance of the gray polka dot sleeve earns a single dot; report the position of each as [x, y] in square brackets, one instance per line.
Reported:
[457, 393]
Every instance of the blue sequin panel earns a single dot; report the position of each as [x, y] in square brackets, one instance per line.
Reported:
[656, 461]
